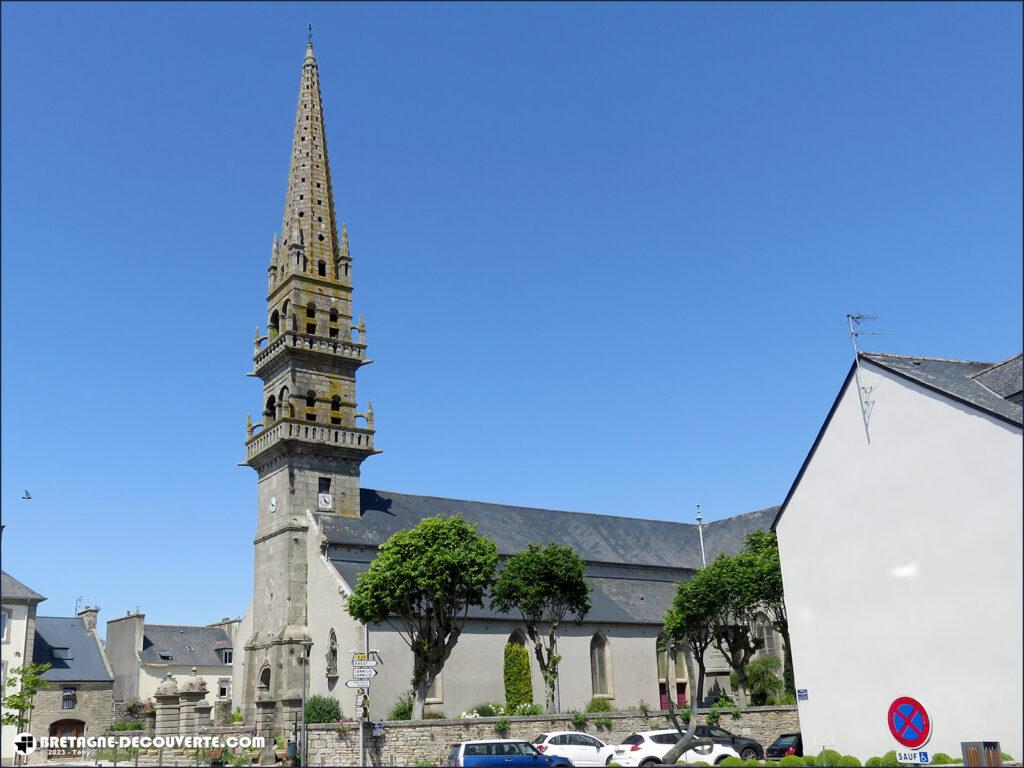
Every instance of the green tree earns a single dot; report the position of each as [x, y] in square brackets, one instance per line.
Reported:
[690, 623]
[762, 550]
[732, 581]
[423, 582]
[545, 585]
[763, 679]
[23, 682]
[518, 684]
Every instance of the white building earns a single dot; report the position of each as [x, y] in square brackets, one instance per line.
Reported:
[901, 555]
[18, 606]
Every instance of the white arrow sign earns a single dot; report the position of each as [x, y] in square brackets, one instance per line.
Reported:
[355, 683]
[362, 673]
[364, 663]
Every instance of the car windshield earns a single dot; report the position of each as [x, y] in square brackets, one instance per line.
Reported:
[665, 738]
[719, 733]
[785, 741]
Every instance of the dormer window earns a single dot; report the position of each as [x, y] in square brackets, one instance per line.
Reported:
[190, 649]
[226, 655]
[62, 653]
[165, 655]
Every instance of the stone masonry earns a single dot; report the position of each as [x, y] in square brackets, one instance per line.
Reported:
[408, 743]
[94, 706]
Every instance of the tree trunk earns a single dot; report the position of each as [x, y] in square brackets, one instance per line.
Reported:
[687, 740]
[548, 661]
[701, 674]
[788, 678]
[419, 701]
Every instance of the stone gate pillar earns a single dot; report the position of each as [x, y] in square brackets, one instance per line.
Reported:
[167, 705]
[191, 692]
[266, 724]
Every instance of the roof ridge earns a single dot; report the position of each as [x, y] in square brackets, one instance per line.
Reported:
[72, 618]
[996, 365]
[530, 509]
[926, 357]
[186, 626]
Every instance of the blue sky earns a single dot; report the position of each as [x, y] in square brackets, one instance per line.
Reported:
[605, 253]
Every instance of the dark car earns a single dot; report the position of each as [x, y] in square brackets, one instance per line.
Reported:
[787, 744]
[748, 749]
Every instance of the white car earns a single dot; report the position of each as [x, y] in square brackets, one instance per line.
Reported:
[648, 748]
[581, 748]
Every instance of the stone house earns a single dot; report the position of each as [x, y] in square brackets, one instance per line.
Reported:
[317, 528]
[79, 697]
[17, 637]
[904, 527]
[142, 655]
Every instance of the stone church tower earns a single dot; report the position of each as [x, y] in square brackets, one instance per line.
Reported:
[309, 446]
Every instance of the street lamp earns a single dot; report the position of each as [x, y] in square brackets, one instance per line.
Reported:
[700, 532]
[304, 661]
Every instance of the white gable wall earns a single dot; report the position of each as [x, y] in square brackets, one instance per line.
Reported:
[902, 563]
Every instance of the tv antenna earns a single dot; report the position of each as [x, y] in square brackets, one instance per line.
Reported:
[78, 603]
[854, 321]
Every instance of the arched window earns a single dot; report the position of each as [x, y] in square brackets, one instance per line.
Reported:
[275, 324]
[763, 630]
[336, 410]
[517, 638]
[311, 318]
[284, 405]
[600, 666]
[271, 412]
[265, 678]
[661, 655]
[332, 655]
[311, 405]
[321, 267]
[681, 675]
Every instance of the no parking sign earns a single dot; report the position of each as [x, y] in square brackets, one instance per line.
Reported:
[908, 722]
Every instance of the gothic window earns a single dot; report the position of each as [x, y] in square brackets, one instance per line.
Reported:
[662, 661]
[681, 676]
[275, 324]
[600, 666]
[763, 630]
[517, 638]
[332, 655]
[321, 266]
[265, 678]
[271, 412]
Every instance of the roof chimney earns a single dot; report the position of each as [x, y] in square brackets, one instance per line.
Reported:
[89, 616]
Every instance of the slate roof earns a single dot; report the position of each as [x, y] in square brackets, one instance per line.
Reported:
[86, 662]
[633, 565]
[12, 589]
[597, 538]
[176, 639]
[979, 385]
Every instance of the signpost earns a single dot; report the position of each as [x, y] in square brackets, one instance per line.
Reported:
[910, 725]
[356, 683]
[362, 673]
[363, 663]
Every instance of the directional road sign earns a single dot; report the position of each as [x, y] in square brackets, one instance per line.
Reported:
[362, 673]
[355, 684]
[364, 662]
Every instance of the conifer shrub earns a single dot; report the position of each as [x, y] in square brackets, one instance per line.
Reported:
[518, 684]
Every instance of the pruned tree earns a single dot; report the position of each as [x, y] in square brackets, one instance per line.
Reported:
[731, 581]
[545, 585]
[690, 623]
[423, 583]
[762, 548]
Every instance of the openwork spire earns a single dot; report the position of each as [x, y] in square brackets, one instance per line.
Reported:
[309, 202]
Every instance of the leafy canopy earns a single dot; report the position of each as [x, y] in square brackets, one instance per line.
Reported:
[543, 584]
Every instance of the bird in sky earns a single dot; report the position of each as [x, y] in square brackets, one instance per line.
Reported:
[27, 495]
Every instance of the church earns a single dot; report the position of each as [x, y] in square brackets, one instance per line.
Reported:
[317, 529]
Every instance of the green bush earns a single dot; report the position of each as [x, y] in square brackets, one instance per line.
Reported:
[604, 722]
[501, 725]
[518, 683]
[753, 763]
[787, 700]
[402, 708]
[599, 705]
[643, 709]
[1007, 758]
[578, 720]
[888, 759]
[128, 725]
[322, 709]
[720, 706]
[792, 760]
[526, 710]
[873, 762]
[809, 760]
[828, 757]
[941, 758]
[236, 716]
[731, 762]
[435, 714]
[848, 761]
[763, 679]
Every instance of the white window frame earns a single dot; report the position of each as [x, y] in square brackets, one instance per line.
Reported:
[226, 683]
[8, 617]
[69, 692]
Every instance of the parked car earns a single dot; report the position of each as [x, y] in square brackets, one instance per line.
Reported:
[747, 748]
[581, 748]
[506, 753]
[648, 748]
[787, 744]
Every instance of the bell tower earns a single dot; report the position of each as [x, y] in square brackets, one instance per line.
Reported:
[311, 440]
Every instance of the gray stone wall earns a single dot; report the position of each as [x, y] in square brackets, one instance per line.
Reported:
[94, 705]
[407, 742]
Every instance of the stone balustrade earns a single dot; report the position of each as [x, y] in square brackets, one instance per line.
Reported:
[338, 347]
[355, 438]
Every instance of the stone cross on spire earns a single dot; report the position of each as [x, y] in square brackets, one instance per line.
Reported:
[309, 202]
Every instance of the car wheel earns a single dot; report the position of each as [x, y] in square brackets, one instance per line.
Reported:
[648, 762]
[749, 754]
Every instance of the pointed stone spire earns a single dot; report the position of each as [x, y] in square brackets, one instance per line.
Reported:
[344, 242]
[309, 202]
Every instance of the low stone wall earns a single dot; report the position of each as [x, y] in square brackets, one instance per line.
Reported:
[428, 741]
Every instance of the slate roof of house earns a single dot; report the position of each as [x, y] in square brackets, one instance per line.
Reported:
[86, 662]
[176, 640]
[11, 588]
[633, 565]
[597, 538]
[984, 386]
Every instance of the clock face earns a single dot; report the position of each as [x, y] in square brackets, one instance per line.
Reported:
[273, 503]
[325, 500]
